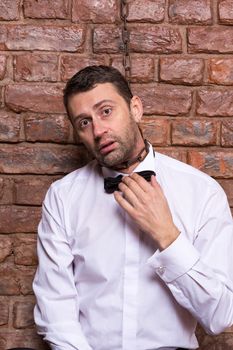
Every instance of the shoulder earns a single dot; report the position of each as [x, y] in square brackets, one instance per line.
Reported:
[77, 175]
[184, 174]
[74, 180]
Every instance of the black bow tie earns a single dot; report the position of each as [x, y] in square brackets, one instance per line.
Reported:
[111, 183]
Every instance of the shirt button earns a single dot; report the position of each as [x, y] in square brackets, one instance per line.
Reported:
[160, 270]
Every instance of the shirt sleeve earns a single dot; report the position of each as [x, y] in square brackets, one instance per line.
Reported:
[199, 273]
[57, 309]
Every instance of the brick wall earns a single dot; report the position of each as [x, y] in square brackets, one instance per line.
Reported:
[182, 67]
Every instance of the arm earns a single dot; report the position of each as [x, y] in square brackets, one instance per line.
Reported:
[57, 309]
[199, 274]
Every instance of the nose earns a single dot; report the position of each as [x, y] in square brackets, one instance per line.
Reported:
[99, 128]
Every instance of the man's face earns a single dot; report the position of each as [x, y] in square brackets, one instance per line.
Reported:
[106, 125]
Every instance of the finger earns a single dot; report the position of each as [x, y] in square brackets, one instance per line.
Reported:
[128, 194]
[155, 184]
[123, 203]
[134, 185]
[144, 185]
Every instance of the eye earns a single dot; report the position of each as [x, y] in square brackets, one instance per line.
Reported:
[107, 111]
[84, 123]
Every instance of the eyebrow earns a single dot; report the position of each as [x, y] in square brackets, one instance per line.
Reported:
[101, 102]
[96, 106]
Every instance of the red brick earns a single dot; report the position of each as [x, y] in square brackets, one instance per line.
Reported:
[16, 219]
[25, 250]
[220, 342]
[35, 98]
[9, 127]
[72, 64]
[47, 128]
[190, 12]
[214, 163]
[164, 100]
[157, 131]
[153, 39]
[3, 340]
[41, 160]
[3, 37]
[1, 100]
[16, 280]
[5, 248]
[45, 37]
[6, 190]
[225, 8]
[107, 39]
[194, 132]
[181, 70]
[25, 279]
[3, 61]
[9, 10]
[142, 68]
[215, 102]
[210, 40]
[31, 190]
[227, 133]
[227, 185]
[220, 71]
[143, 38]
[21, 338]
[35, 67]
[146, 11]
[9, 283]
[174, 153]
[46, 9]
[104, 11]
[4, 315]
[23, 314]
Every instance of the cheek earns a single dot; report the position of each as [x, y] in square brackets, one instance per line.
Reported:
[87, 140]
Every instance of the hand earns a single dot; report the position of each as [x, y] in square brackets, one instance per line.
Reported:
[148, 207]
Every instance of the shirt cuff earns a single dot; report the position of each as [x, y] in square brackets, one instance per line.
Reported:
[174, 261]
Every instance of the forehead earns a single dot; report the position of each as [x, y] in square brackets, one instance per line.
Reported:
[90, 98]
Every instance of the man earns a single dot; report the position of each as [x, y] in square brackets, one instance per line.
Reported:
[136, 268]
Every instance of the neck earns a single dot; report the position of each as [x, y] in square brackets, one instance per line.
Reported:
[128, 166]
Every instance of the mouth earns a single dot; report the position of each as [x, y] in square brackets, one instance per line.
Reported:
[107, 147]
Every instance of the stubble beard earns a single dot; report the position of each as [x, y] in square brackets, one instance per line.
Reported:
[117, 156]
[124, 150]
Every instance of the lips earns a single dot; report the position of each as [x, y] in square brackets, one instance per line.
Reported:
[107, 147]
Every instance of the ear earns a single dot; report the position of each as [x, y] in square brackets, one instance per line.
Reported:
[136, 108]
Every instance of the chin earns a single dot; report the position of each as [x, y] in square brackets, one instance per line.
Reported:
[111, 161]
[109, 164]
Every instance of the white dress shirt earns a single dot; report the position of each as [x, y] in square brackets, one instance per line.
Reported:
[102, 284]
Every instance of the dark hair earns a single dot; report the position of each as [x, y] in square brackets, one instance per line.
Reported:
[87, 78]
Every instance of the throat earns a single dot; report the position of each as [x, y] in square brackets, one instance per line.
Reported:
[130, 162]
